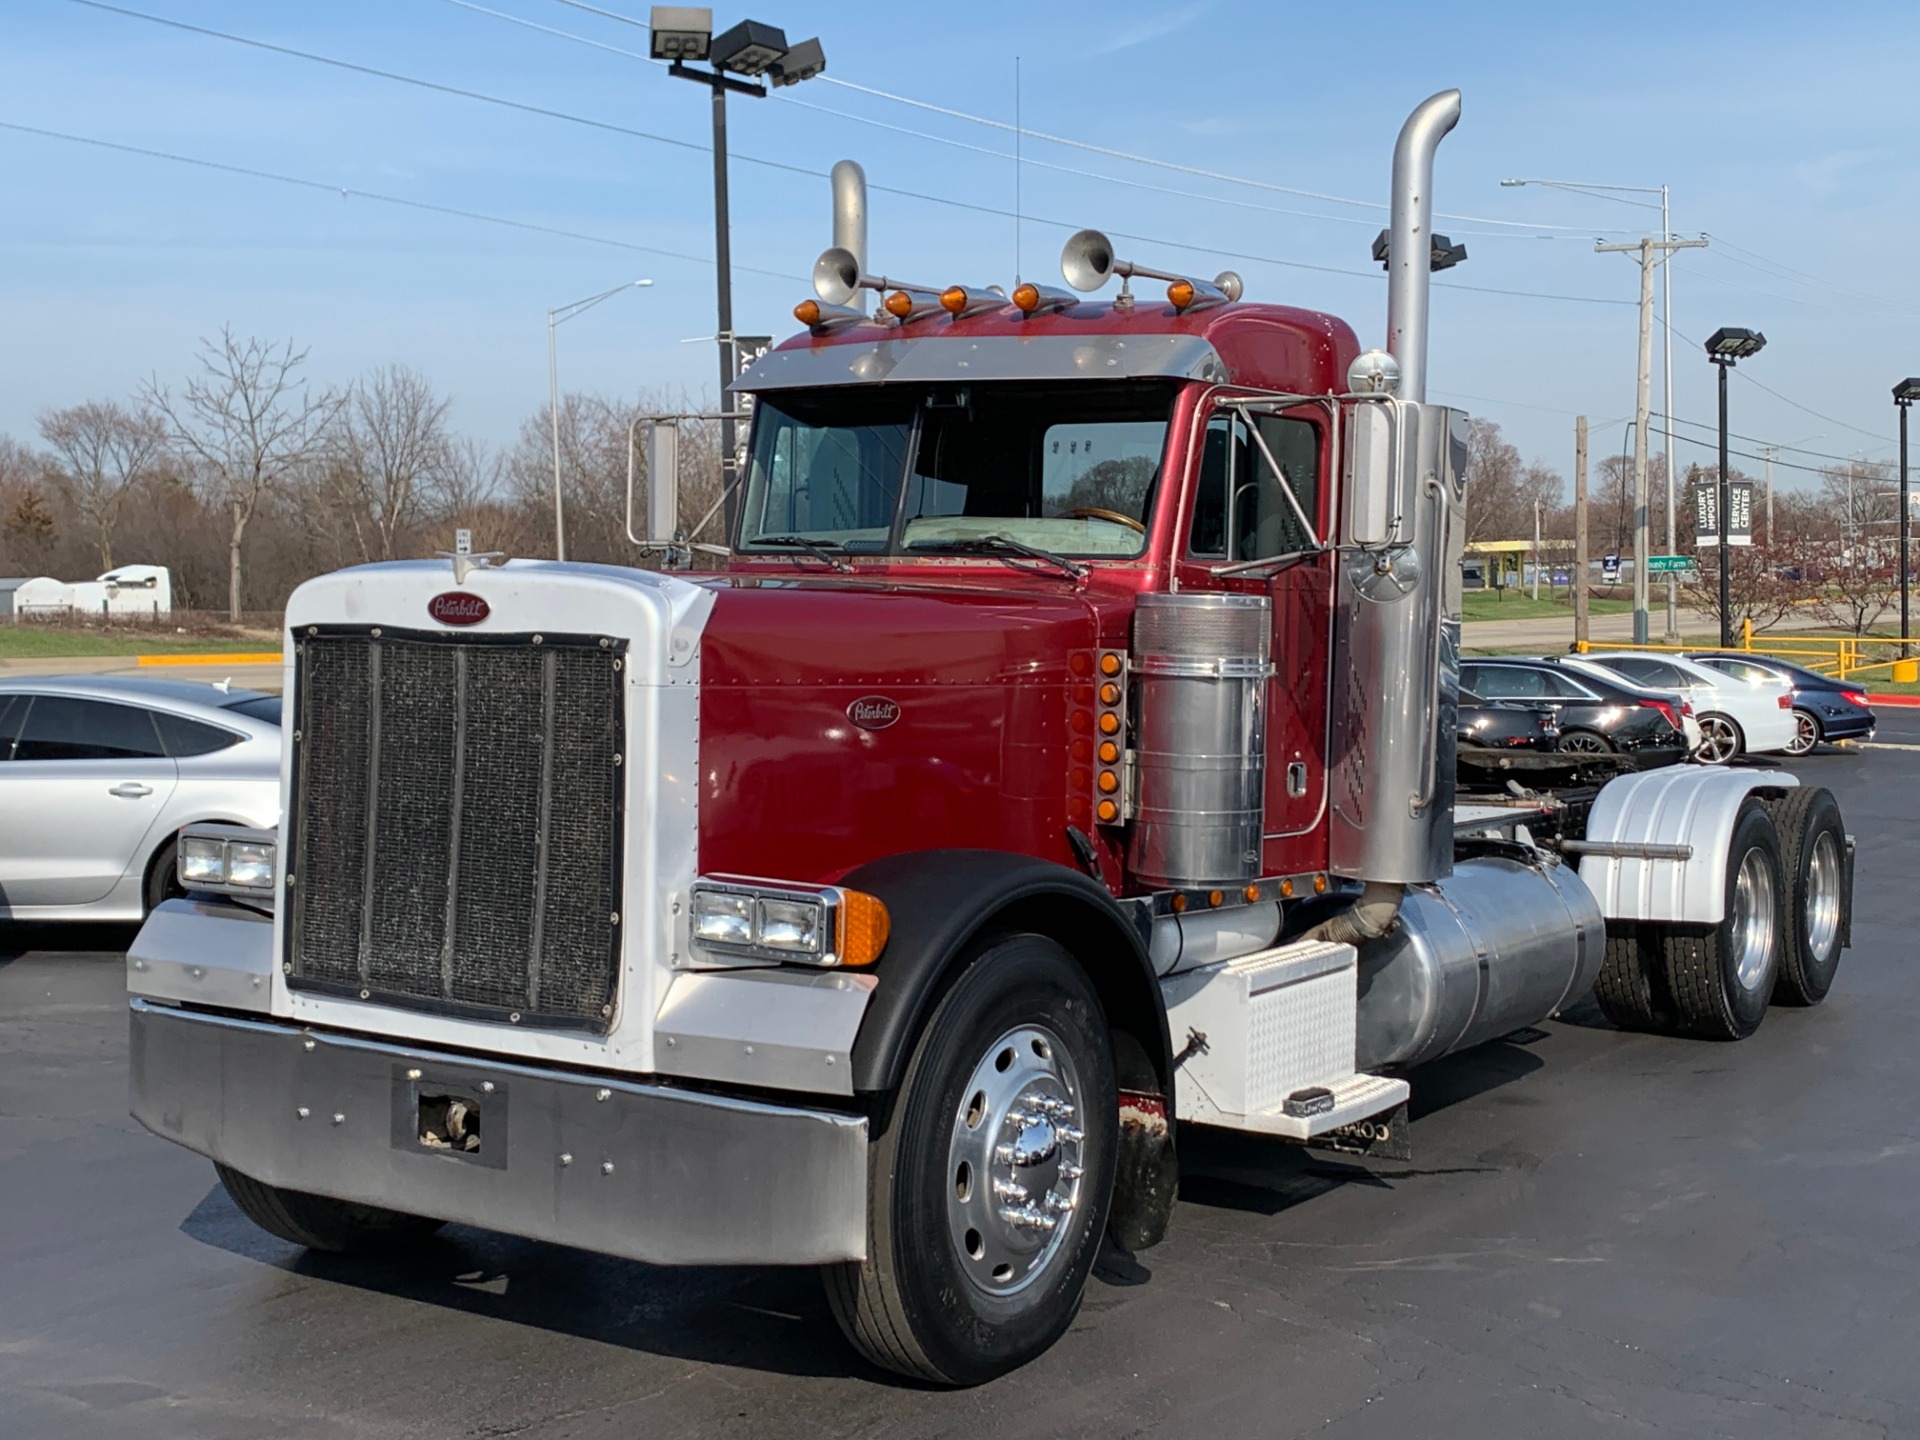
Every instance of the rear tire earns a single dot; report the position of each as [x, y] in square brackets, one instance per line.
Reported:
[1722, 977]
[1625, 987]
[1813, 848]
[1721, 742]
[1806, 734]
[1583, 742]
[952, 1291]
[321, 1223]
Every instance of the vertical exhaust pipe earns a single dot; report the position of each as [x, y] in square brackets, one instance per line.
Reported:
[1410, 237]
[850, 218]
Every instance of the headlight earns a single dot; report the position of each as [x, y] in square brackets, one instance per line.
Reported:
[227, 861]
[741, 921]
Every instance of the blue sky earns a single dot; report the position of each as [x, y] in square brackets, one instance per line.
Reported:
[1781, 130]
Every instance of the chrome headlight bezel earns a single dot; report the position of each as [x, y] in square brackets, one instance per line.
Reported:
[785, 924]
[228, 860]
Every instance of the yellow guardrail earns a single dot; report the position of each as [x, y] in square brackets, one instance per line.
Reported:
[1845, 657]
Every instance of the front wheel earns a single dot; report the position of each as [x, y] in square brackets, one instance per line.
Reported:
[1806, 733]
[989, 1186]
[1720, 740]
[320, 1222]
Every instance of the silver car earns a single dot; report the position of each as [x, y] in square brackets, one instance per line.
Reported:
[98, 774]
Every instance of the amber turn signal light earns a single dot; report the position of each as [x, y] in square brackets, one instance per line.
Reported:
[1026, 298]
[1180, 294]
[954, 299]
[1109, 753]
[1109, 694]
[1109, 782]
[807, 312]
[1109, 724]
[899, 304]
[1109, 664]
[1108, 812]
[864, 927]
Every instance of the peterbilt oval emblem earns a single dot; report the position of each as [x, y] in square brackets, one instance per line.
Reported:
[457, 607]
[873, 712]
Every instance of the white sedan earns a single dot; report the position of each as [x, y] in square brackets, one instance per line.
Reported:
[1736, 715]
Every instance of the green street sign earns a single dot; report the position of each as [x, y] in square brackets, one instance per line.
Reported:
[1670, 564]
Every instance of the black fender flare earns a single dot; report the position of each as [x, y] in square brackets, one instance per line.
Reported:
[940, 901]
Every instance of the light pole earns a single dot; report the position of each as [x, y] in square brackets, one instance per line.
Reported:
[751, 49]
[1666, 247]
[1904, 395]
[1725, 347]
[557, 316]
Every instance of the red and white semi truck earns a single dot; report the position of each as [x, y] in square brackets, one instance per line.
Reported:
[1064, 755]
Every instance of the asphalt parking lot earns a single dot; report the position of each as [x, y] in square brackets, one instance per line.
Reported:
[1599, 1234]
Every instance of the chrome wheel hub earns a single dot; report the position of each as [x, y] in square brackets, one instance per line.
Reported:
[1823, 897]
[1806, 733]
[1752, 927]
[1015, 1160]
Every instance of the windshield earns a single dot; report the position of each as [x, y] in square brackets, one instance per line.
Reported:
[1070, 469]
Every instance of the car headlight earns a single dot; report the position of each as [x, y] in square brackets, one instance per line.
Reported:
[227, 860]
[736, 921]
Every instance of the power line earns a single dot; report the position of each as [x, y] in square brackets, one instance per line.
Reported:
[346, 192]
[610, 127]
[1755, 439]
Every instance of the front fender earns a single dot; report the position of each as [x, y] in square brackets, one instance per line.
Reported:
[1687, 805]
[941, 900]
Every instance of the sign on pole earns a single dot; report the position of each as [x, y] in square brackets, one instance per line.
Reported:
[1610, 567]
[1706, 513]
[1670, 565]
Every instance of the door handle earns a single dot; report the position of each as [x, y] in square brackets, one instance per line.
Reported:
[131, 790]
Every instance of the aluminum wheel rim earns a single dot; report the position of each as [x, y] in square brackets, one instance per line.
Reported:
[1823, 897]
[1015, 1161]
[1753, 913]
[1806, 733]
[1581, 743]
[1716, 740]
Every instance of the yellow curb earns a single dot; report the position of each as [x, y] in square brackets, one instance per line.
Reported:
[265, 657]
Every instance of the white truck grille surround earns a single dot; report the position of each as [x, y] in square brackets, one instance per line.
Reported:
[456, 822]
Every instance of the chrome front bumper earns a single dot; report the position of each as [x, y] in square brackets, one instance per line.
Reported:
[647, 1172]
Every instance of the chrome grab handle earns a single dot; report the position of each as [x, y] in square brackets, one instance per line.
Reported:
[131, 790]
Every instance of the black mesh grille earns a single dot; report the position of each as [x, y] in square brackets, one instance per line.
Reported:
[456, 823]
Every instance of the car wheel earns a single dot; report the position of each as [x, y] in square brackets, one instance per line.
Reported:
[163, 877]
[1721, 978]
[1583, 742]
[1806, 733]
[1720, 740]
[989, 1186]
[1813, 848]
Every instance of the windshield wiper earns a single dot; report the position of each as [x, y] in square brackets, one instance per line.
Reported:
[1004, 545]
[812, 547]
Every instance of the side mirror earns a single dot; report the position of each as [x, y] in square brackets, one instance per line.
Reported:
[1373, 491]
[663, 487]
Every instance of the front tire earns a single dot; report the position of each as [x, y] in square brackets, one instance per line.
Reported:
[989, 1186]
[163, 878]
[319, 1222]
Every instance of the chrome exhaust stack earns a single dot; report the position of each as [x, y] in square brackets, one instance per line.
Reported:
[850, 219]
[1410, 238]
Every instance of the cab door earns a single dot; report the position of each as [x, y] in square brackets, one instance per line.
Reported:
[1245, 510]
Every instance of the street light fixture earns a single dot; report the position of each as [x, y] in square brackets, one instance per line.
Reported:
[558, 316]
[1726, 347]
[754, 50]
[1904, 394]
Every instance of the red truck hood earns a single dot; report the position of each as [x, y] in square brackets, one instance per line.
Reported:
[841, 721]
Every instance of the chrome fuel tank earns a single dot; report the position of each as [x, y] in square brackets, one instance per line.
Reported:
[1491, 949]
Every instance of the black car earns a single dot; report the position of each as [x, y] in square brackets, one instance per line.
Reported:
[1507, 724]
[1823, 707]
[1596, 716]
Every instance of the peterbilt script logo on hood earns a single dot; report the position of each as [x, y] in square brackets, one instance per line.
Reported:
[457, 607]
[873, 712]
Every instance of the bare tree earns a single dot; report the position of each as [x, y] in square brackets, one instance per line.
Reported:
[1861, 511]
[392, 448]
[104, 450]
[249, 422]
[1502, 490]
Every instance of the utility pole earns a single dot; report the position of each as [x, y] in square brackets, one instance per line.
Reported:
[1580, 530]
[1769, 451]
[1672, 636]
[1652, 252]
[1536, 550]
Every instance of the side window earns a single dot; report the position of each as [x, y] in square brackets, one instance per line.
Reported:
[59, 727]
[1562, 687]
[1255, 521]
[13, 709]
[1509, 682]
[184, 737]
[1633, 668]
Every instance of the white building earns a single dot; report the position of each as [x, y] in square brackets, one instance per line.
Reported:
[128, 590]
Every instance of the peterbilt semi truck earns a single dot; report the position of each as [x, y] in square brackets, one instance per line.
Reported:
[1064, 756]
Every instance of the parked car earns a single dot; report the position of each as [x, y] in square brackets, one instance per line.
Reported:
[1596, 713]
[1507, 724]
[1824, 709]
[1737, 715]
[98, 774]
